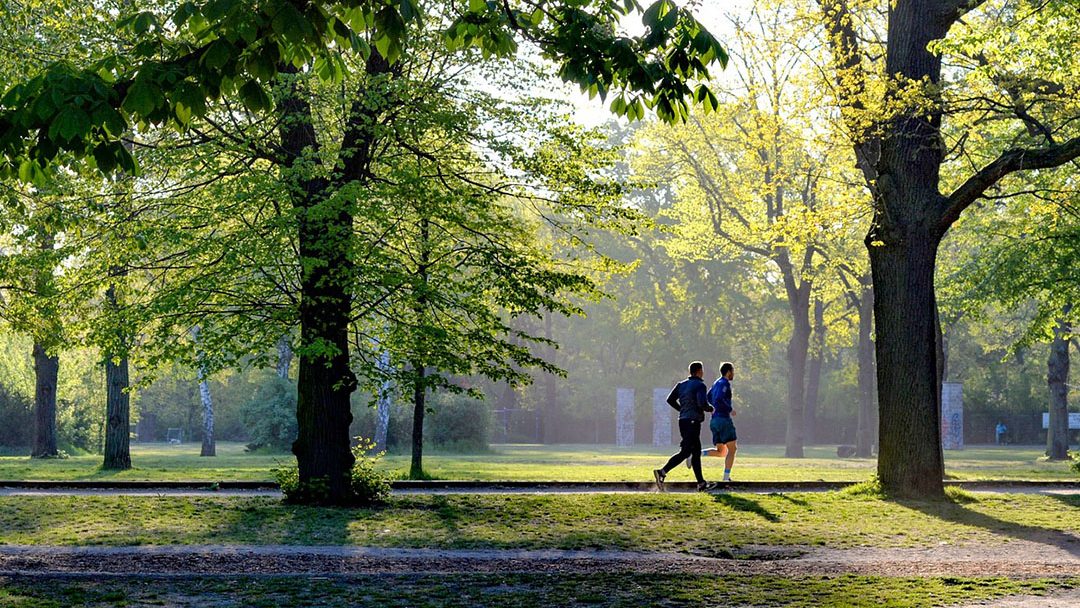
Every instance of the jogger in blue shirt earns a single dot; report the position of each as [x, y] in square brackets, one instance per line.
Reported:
[721, 424]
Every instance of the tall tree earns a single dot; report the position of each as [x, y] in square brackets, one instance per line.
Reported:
[117, 402]
[1057, 378]
[752, 183]
[46, 359]
[896, 124]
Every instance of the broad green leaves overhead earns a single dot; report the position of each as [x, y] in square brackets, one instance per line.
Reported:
[178, 58]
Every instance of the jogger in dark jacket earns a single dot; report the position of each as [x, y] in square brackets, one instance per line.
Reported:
[688, 397]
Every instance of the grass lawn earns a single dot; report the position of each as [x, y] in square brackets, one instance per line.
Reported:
[535, 463]
[517, 590]
[645, 522]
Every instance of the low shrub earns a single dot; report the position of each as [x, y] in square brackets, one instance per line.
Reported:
[368, 486]
[270, 415]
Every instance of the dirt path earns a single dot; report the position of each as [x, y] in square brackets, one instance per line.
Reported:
[1023, 559]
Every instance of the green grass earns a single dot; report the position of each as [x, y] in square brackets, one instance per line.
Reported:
[721, 524]
[519, 590]
[535, 463]
[158, 461]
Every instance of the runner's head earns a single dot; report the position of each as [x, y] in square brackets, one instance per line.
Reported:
[727, 368]
[697, 369]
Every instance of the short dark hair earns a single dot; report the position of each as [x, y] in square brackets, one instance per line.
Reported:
[726, 367]
[695, 367]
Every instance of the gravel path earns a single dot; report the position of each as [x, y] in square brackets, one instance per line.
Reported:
[1022, 559]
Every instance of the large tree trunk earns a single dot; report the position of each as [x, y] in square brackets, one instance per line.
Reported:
[813, 376]
[46, 372]
[325, 382]
[901, 159]
[117, 406]
[909, 388]
[1057, 378]
[117, 416]
[416, 468]
[324, 233]
[798, 345]
[903, 243]
[866, 433]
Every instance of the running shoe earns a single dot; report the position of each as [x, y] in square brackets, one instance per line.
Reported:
[659, 475]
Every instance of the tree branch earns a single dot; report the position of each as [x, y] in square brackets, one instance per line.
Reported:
[1009, 162]
[950, 11]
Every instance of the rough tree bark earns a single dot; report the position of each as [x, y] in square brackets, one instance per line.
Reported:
[117, 406]
[813, 376]
[866, 433]
[46, 364]
[911, 216]
[416, 466]
[118, 416]
[1057, 378]
[46, 372]
[325, 380]
[798, 345]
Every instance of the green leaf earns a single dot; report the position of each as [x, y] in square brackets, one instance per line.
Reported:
[218, 54]
[143, 22]
[183, 13]
[652, 15]
[478, 6]
[105, 158]
[142, 98]
[26, 170]
[254, 97]
[183, 113]
[71, 123]
[109, 119]
[216, 9]
[409, 10]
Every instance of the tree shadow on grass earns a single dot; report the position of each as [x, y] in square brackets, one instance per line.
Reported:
[953, 509]
[740, 503]
[272, 522]
[795, 501]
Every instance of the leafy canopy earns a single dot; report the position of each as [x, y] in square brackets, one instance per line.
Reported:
[198, 51]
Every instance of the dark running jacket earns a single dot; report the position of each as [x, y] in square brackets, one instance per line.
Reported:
[688, 397]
